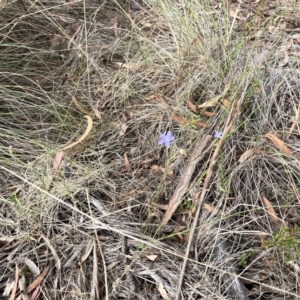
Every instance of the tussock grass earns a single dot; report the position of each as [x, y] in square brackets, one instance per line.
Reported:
[111, 56]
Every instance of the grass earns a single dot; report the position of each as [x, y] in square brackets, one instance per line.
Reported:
[133, 66]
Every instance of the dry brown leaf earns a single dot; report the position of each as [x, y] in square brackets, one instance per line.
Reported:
[169, 171]
[208, 113]
[87, 250]
[279, 144]
[212, 209]
[87, 131]
[14, 289]
[37, 281]
[126, 161]
[35, 292]
[209, 103]
[270, 210]
[163, 292]
[192, 106]
[57, 159]
[226, 103]
[151, 257]
[186, 121]
[155, 97]
[155, 167]
[200, 124]
[178, 231]
[246, 155]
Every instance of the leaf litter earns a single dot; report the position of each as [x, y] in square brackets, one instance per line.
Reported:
[130, 179]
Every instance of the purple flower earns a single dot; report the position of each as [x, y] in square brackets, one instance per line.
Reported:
[218, 134]
[166, 139]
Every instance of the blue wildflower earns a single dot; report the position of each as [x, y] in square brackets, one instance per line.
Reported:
[218, 134]
[166, 139]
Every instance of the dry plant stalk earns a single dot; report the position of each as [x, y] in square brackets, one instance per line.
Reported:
[230, 120]
[200, 150]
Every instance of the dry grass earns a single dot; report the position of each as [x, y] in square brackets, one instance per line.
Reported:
[93, 221]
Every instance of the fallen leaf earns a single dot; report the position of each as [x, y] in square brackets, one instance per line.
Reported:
[35, 292]
[37, 281]
[169, 171]
[186, 121]
[178, 231]
[155, 97]
[126, 161]
[87, 131]
[57, 159]
[226, 103]
[200, 124]
[179, 228]
[14, 289]
[123, 129]
[32, 266]
[155, 167]
[22, 287]
[192, 106]
[151, 257]
[208, 113]
[209, 103]
[163, 292]
[279, 144]
[212, 209]
[87, 250]
[246, 155]
[270, 210]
